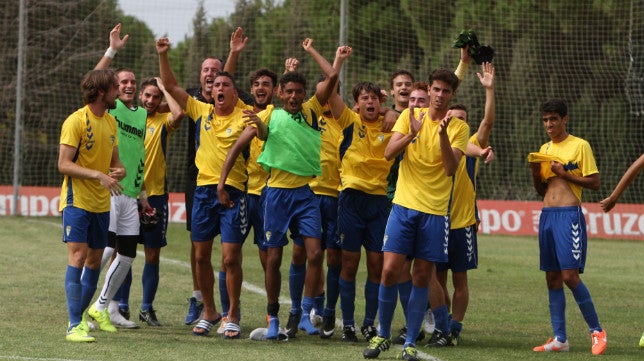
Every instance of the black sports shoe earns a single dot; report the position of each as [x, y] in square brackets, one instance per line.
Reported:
[410, 354]
[402, 336]
[369, 332]
[292, 324]
[125, 312]
[376, 344]
[149, 316]
[328, 326]
[439, 339]
[455, 338]
[349, 334]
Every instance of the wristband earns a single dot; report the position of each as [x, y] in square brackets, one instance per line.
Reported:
[110, 53]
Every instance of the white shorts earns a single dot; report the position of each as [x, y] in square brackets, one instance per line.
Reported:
[124, 216]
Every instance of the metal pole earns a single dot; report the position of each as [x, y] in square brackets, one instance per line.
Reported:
[343, 40]
[18, 123]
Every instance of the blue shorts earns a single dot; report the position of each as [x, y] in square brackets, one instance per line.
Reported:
[210, 218]
[462, 252]
[82, 226]
[562, 239]
[329, 212]
[362, 219]
[417, 234]
[155, 237]
[256, 220]
[290, 208]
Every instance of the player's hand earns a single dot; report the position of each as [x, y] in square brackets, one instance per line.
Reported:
[163, 45]
[307, 44]
[488, 155]
[389, 120]
[557, 168]
[110, 184]
[224, 198]
[116, 42]
[415, 124]
[343, 52]
[291, 64]
[607, 204]
[160, 84]
[250, 118]
[487, 76]
[237, 40]
[442, 128]
[117, 173]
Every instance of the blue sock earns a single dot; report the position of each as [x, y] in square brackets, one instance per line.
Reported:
[440, 318]
[223, 293]
[319, 304]
[150, 281]
[347, 301]
[296, 277]
[88, 281]
[332, 289]
[455, 327]
[123, 294]
[73, 292]
[404, 290]
[558, 313]
[586, 306]
[371, 303]
[387, 299]
[418, 298]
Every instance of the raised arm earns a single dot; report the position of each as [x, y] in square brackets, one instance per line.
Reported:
[116, 44]
[487, 80]
[451, 156]
[175, 109]
[628, 177]
[167, 76]
[336, 104]
[330, 73]
[237, 45]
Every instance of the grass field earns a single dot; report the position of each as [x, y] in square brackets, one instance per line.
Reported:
[508, 312]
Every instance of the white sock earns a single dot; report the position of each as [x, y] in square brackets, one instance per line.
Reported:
[107, 255]
[197, 294]
[113, 280]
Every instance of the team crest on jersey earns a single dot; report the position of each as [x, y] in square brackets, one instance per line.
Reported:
[381, 138]
[229, 131]
[151, 130]
[68, 230]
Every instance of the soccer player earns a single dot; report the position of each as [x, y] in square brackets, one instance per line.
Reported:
[159, 128]
[89, 161]
[562, 226]
[463, 247]
[362, 204]
[124, 229]
[292, 156]
[418, 225]
[218, 127]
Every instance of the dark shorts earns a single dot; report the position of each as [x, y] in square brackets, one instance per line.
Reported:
[417, 234]
[210, 218]
[329, 212]
[462, 252]
[562, 239]
[256, 220]
[82, 226]
[290, 208]
[155, 237]
[362, 219]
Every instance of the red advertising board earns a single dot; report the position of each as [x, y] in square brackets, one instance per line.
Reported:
[625, 221]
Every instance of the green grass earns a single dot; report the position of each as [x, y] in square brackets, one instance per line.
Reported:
[508, 312]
